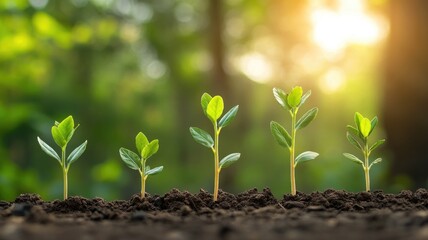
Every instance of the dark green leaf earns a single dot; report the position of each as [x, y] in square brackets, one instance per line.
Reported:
[353, 130]
[281, 97]
[353, 141]
[373, 123]
[202, 137]
[228, 117]
[229, 160]
[58, 138]
[131, 159]
[307, 118]
[280, 134]
[153, 171]
[295, 96]
[205, 99]
[48, 150]
[76, 153]
[140, 142]
[305, 97]
[150, 149]
[377, 144]
[353, 158]
[215, 108]
[305, 156]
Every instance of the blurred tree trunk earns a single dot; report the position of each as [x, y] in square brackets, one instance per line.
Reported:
[406, 90]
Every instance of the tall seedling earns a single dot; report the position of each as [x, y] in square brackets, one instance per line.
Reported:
[62, 132]
[292, 102]
[213, 108]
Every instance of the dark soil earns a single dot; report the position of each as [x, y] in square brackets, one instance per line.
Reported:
[250, 215]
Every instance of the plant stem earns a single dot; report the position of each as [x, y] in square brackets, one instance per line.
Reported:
[292, 152]
[64, 173]
[366, 165]
[143, 179]
[216, 163]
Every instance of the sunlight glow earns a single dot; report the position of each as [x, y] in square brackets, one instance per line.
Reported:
[256, 67]
[332, 81]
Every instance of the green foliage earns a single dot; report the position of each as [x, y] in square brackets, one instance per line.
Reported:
[62, 133]
[358, 137]
[137, 162]
[213, 108]
[292, 102]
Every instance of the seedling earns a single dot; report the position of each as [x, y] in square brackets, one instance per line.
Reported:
[137, 162]
[62, 133]
[362, 130]
[213, 108]
[292, 102]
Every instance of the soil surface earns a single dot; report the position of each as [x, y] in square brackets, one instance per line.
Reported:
[250, 215]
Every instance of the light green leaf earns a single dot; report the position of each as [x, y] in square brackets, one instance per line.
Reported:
[353, 141]
[153, 171]
[307, 118]
[131, 159]
[377, 144]
[229, 160]
[228, 117]
[140, 142]
[66, 128]
[281, 98]
[202, 137]
[280, 134]
[150, 149]
[365, 127]
[295, 96]
[357, 119]
[305, 156]
[353, 158]
[205, 99]
[76, 153]
[215, 108]
[48, 150]
[378, 160]
[373, 124]
[305, 97]
[58, 138]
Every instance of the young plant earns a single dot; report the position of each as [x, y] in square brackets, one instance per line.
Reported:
[135, 161]
[62, 133]
[362, 130]
[292, 102]
[213, 108]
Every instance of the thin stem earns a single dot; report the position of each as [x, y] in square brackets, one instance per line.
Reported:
[64, 173]
[216, 162]
[292, 152]
[366, 165]
[143, 178]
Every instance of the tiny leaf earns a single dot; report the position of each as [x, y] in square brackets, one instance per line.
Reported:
[153, 171]
[378, 160]
[205, 99]
[305, 97]
[66, 128]
[202, 137]
[48, 150]
[215, 108]
[373, 124]
[131, 159]
[76, 153]
[353, 141]
[150, 149]
[357, 119]
[307, 118]
[353, 158]
[229, 160]
[365, 127]
[305, 156]
[377, 144]
[353, 130]
[295, 96]
[228, 117]
[280, 134]
[281, 97]
[58, 138]
[140, 142]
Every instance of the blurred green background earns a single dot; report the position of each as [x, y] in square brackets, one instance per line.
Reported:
[124, 66]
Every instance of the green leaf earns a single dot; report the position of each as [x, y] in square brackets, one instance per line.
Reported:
[66, 128]
[205, 99]
[76, 153]
[295, 96]
[377, 144]
[307, 118]
[378, 160]
[353, 130]
[365, 127]
[215, 108]
[229, 160]
[281, 97]
[202, 137]
[305, 156]
[353, 141]
[228, 117]
[373, 124]
[131, 159]
[305, 97]
[357, 119]
[353, 158]
[280, 134]
[153, 171]
[150, 149]
[140, 142]
[58, 138]
[48, 150]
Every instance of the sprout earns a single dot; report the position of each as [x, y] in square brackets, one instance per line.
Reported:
[362, 130]
[213, 108]
[62, 133]
[292, 102]
[135, 161]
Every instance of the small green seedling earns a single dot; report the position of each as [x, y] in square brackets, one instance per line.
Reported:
[145, 149]
[213, 108]
[62, 133]
[362, 130]
[292, 102]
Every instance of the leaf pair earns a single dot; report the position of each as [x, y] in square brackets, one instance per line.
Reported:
[364, 127]
[213, 108]
[63, 132]
[291, 100]
[355, 159]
